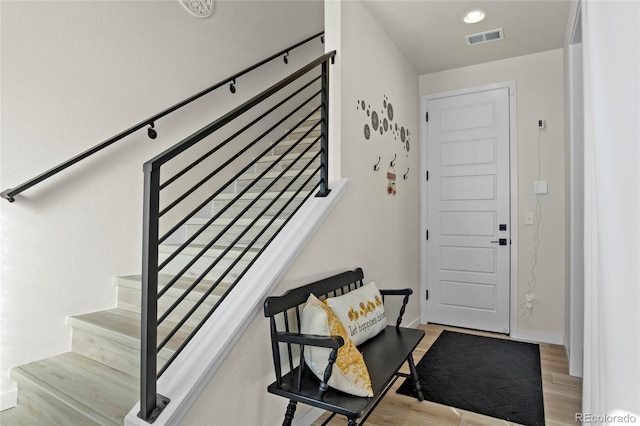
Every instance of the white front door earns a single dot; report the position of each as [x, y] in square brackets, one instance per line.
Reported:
[468, 210]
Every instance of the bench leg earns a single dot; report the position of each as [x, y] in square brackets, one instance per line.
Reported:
[351, 422]
[416, 379]
[291, 410]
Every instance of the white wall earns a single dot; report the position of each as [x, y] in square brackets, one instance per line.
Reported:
[611, 384]
[540, 95]
[76, 73]
[368, 228]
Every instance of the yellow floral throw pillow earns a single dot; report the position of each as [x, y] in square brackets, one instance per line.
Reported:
[361, 312]
[350, 374]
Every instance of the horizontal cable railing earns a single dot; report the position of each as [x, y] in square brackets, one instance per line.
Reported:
[149, 123]
[215, 201]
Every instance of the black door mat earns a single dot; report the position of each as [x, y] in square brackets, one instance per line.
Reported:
[495, 377]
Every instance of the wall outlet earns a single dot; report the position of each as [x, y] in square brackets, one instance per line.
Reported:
[528, 218]
[529, 302]
[540, 124]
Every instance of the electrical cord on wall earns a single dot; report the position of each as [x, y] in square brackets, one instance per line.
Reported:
[527, 305]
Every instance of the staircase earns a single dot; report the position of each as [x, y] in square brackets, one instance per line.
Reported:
[97, 382]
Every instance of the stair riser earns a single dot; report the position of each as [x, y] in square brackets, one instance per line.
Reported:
[256, 209]
[280, 184]
[300, 131]
[281, 148]
[284, 163]
[119, 352]
[116, 355]
[129, 299]
[44, 405]
[260, 209]
[193, 250]
[228, 237]
[180, 261]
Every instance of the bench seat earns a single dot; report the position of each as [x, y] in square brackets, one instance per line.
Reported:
[384, 355]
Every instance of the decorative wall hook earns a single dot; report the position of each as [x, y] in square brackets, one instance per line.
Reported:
[232, 86]
[393, 162]
[284, 58]
[406, 175]
[151, 132]
[376, 166]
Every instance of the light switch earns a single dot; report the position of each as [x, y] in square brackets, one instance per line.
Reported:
[540, 187]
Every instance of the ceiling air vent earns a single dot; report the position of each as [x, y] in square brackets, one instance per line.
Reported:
[485, 37]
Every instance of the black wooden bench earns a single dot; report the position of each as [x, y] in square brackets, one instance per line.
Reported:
[384, 354]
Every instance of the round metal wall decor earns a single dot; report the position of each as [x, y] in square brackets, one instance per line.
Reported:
[383, 121]
[374, 120]
[199, 8]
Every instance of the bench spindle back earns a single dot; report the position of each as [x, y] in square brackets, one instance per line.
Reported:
[279, 310]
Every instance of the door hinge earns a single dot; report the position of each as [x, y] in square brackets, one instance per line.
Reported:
[427, 294]
[427, 174]
[427, 234]
[427, 116]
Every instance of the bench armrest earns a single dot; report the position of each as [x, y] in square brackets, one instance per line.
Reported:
[397, 292]
[406, 292]
[333, 342]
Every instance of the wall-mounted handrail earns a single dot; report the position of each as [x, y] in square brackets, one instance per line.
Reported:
[10, 193]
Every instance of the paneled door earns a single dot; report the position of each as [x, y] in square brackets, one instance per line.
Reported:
[468, 210]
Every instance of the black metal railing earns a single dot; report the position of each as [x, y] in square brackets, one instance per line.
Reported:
[149, 123]
[207, 218]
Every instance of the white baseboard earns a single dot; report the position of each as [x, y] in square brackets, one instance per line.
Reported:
[537, 337]
[414, 323]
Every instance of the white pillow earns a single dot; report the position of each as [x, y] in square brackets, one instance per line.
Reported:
[350, 373]
[361, 312]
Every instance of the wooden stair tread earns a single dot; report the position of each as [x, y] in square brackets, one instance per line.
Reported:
[90, 388]
[273, 175]
[135, 282]
[224, 221]
[197, 247]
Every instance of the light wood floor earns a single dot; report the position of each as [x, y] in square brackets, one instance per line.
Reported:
[562, 394]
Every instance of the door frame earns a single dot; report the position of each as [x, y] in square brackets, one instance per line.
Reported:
[513, 194]
[574, 341]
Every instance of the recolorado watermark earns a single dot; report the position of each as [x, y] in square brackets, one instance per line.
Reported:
[606, 419]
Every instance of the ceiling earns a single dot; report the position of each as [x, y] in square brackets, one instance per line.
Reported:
[431, 33]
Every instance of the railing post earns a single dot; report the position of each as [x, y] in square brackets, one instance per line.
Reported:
[151, 403]
[324, 126]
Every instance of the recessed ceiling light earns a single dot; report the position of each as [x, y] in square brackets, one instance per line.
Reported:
[474, 16]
